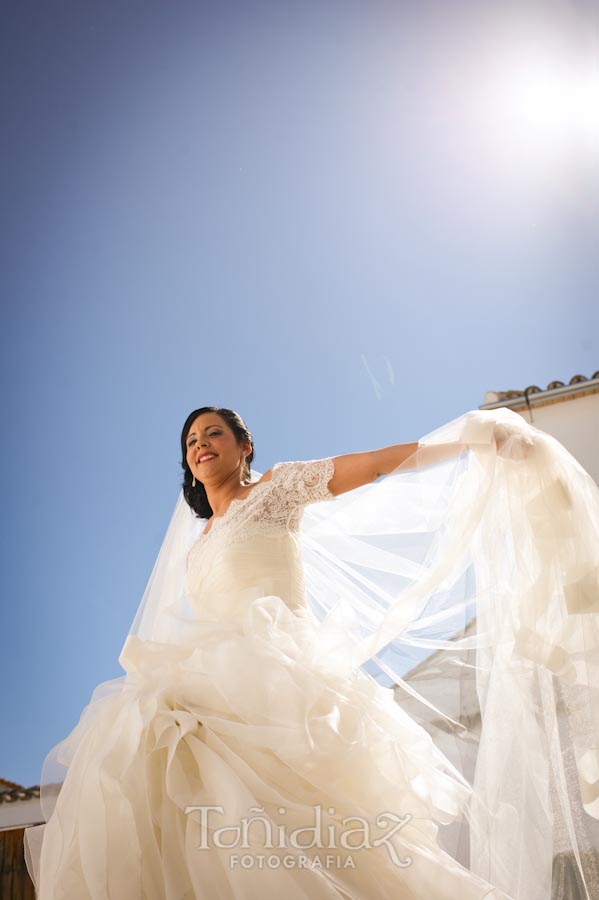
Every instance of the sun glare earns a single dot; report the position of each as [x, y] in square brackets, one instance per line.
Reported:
[543, 107]
[550, 104]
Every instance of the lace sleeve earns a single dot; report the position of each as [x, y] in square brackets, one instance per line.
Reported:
[300, 483]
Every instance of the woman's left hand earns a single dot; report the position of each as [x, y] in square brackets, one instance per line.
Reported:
[513, 442]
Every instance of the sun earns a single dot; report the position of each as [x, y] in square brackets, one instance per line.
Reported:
[540, 103]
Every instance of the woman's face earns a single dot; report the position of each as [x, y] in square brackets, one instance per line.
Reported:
[211, 436]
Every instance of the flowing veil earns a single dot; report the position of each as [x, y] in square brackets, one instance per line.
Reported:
[473, 584]
[466, 584]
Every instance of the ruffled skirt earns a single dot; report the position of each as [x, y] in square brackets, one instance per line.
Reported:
[235, 768]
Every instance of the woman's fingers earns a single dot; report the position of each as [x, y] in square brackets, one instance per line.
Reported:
[511, 442]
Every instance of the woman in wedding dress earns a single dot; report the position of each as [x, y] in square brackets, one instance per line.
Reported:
[251, 751]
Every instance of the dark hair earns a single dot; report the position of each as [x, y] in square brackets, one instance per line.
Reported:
[196, 496]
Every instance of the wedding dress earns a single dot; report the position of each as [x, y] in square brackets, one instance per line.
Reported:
[251, 749]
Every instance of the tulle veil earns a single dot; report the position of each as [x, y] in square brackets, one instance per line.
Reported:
[468, 579]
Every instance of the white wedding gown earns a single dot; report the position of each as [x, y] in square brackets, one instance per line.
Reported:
[239, 718]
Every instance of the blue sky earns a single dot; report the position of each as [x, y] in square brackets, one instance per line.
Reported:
[347, 221]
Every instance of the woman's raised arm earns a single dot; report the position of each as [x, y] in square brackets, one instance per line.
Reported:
[352, 470]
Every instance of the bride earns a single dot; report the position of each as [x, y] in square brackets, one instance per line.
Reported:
[365, 676]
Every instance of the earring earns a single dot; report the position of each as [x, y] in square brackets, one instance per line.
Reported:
[193, 483]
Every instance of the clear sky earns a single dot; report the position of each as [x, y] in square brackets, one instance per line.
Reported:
[347, 221]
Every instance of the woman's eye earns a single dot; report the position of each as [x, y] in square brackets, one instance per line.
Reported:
[212, 434]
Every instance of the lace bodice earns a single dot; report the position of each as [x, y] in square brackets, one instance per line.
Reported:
[252, 549]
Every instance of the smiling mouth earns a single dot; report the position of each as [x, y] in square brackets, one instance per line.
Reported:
[206, 459]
